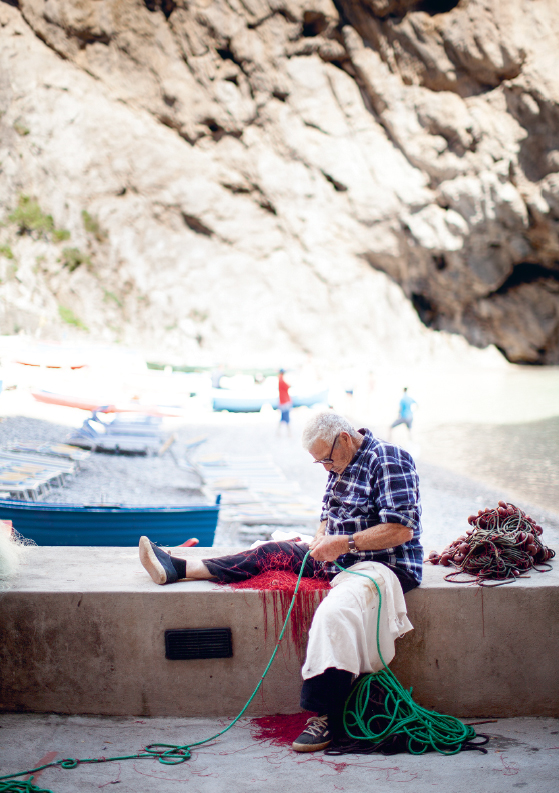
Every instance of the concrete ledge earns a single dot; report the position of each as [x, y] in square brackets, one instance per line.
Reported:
[82, 631]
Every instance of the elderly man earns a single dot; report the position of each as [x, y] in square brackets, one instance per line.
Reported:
[370, 523]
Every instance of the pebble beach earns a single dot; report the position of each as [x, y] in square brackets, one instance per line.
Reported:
[105, 478]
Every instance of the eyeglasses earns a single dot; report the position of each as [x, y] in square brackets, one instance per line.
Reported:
[328, 460]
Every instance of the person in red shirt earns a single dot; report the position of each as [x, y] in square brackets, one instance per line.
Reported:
[285, 403]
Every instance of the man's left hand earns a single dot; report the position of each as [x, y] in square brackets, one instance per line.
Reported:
[327, 548]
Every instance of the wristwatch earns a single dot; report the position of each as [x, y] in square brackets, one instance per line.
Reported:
[351, 543]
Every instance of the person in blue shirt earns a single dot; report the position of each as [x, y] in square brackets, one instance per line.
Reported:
[405, 411]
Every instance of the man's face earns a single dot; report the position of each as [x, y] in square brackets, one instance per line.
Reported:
[340, 453]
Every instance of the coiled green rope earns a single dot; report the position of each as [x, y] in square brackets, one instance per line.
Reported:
[445, 734]
[425, 729]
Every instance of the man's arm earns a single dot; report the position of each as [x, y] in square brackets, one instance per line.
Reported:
[377, 538]
[321, 531]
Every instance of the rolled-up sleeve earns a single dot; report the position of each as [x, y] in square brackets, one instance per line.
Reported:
[395, 487]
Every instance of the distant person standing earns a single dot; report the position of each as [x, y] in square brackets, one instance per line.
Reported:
[285, 403]
[405, 411]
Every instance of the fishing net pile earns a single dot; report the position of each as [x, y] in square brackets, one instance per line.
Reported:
[12, 548]
[277, 577]
[503, 544]
[279, 729]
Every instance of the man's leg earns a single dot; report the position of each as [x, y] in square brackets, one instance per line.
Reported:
[270, 556]
[166, 569]
[325, 694]
[343, 643]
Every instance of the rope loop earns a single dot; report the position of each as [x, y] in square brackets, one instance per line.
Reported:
[69, 763]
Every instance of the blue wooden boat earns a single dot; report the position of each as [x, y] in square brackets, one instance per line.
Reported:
[224, 399]
[111, 524]
[308, 400]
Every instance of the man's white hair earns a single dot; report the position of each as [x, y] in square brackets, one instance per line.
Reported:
[325, 426]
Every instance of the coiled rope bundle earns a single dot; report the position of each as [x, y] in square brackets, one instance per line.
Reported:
[396, 714]
[502, 545]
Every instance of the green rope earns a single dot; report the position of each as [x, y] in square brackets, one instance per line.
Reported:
[165, 753]
[21, 787]
[445, 734]
[425, 729]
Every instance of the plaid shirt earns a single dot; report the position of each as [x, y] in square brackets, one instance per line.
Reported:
[380, 485]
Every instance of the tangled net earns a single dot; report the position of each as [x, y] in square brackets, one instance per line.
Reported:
[279, 729]
[281, 583]
[502, 544]
[12, 548]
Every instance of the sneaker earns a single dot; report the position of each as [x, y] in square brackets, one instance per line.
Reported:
[315, 737]
[157, 562]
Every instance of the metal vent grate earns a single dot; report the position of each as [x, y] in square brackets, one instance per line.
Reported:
[193, 643]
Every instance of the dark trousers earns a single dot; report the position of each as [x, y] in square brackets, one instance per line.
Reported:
[282, 556]
[270, 556]
[327, 693]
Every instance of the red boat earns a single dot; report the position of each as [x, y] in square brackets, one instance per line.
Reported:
[84, 403]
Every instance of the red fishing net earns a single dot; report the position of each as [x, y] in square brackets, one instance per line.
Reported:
[281, 729]
[281, 582]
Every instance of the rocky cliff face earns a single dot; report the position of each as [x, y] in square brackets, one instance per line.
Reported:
[263, 175]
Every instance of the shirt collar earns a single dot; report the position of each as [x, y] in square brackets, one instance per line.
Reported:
[368, 441]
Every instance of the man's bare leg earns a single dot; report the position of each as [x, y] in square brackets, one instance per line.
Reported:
[195, 568]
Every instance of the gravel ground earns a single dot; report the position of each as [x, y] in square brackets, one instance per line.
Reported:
[448, 497]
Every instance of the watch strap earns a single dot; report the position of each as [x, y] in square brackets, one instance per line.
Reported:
[351, 542]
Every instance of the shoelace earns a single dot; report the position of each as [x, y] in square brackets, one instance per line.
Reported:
[317, 724]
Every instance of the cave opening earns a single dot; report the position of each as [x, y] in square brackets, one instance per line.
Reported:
[426, 310]
[434, 7]
[314, 23]
[527, 273]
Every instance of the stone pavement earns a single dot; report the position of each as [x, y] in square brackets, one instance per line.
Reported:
[522, 753]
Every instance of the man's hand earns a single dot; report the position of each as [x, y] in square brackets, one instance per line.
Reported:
[327, 548]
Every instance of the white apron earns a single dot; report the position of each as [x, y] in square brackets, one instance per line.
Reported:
[343, 633]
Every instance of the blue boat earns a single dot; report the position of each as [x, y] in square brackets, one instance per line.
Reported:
[223, 399]
[118, 525]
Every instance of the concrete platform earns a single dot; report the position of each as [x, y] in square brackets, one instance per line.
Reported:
[82, 632]
[523, 754]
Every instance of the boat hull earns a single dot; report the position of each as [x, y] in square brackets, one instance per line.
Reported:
[245, 404]
[120, 526]
[83, 403]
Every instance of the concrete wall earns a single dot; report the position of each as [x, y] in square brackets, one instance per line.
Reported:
[82, 631]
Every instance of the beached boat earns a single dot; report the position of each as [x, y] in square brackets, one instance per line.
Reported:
[246, 402]
[111, 524]
[91, 404]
